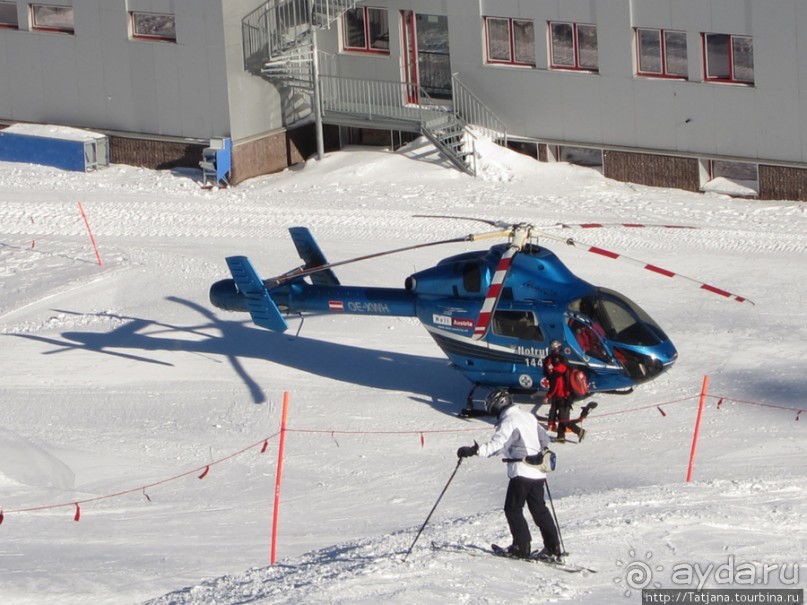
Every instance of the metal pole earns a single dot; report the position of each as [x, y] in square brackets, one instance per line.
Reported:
[555, 517]
[422, 527]
[316, 96]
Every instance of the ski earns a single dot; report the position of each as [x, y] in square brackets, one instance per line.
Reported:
[465, 549]
[559, 565]
[497, 551]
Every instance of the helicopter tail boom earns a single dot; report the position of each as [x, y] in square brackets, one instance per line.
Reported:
[260, 305]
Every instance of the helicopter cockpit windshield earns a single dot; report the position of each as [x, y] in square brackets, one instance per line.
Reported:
[621, 319]
[608, 325]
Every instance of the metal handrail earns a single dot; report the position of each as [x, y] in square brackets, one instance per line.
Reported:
[255, 37]
[277, 25]
[374, 100]
[471, 110]
[377, 98]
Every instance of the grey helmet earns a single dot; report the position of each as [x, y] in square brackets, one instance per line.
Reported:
[555, 345]
[498, 401]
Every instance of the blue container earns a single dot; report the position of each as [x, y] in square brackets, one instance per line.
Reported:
[58, 146]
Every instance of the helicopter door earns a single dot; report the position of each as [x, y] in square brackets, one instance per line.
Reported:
[589, 337]
[517, 344]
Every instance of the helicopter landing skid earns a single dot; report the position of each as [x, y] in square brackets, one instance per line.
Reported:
[474, 413]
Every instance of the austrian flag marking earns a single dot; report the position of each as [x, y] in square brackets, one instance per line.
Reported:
[336, 305]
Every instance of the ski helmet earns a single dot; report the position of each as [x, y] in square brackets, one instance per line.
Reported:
[555, 345]
[498, 401]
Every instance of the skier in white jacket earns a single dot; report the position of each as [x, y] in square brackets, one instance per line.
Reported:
[516, 437]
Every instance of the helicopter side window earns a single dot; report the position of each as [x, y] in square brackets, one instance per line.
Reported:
[516, 324]
[471, 277]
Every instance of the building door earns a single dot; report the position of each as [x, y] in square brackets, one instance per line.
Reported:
[426, 61]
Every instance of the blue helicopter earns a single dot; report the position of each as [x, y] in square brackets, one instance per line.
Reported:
[493, 312]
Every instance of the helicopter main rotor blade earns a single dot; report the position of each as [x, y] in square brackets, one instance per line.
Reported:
[503, 224]
[650, 267]
[629, 225]
[521, 235]
[498, 224]
[303, 271]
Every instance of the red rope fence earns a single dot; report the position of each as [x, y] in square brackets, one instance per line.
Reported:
[141, 488]
[202, 471]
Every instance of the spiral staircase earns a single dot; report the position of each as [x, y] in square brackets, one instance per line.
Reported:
[279, 45]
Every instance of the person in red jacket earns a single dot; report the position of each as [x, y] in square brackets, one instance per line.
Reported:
[560, 396]
[554, 358]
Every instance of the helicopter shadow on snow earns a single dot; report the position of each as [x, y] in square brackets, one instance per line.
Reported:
[430, 380]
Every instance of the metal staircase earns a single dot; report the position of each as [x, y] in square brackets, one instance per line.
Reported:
[278, 39]
[451, 137]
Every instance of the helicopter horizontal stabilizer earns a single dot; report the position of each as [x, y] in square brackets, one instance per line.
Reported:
[261, 307]
[309, 251]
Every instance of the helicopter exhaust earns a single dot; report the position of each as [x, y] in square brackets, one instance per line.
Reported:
[224, 295]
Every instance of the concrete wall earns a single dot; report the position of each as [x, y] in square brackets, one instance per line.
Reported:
[254, 104]
[100, 78]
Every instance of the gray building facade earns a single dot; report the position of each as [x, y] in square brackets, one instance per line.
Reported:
[681, 93]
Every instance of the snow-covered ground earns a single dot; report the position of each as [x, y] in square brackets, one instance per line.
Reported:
[122, 385]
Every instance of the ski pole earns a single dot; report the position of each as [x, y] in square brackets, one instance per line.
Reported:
[422, 527]
[554, 516]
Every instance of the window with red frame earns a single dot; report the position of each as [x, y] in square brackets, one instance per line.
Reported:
[510, 41]
[154, 26]
[728, 58]
[50, 18]
[661, 53]
[366, 29]
[573, 46]
[8, 15]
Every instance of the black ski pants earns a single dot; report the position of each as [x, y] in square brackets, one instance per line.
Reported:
[564, 407]
[521, 491]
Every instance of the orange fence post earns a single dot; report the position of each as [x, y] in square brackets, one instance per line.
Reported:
[697, 428]
[278, 475]
[92, 237]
